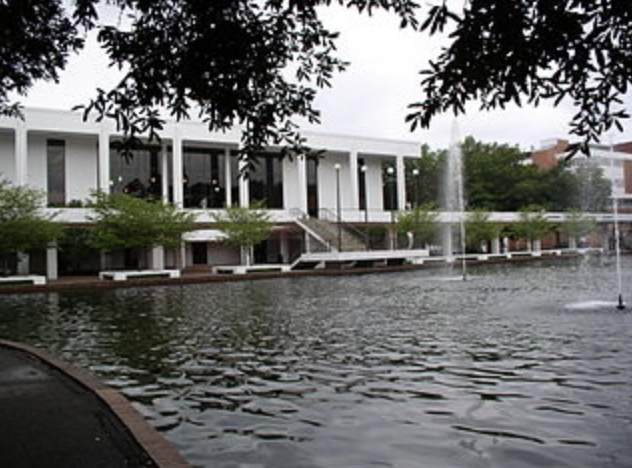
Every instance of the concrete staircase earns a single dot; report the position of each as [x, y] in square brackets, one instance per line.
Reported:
[327, 233]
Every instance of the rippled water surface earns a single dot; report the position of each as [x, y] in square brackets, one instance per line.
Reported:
[522, 366]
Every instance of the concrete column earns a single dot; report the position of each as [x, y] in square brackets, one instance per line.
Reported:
[21, 154]
[178, 191]
[354, 200]
[537, 245]
[401, 182]
[157, 258]
[308, 243]
[103, 260]
[496, 245]
[164, 168]
[181, 257]
[23, 265]
[284, 247]
[228, 177]
[104, 159]
[302, 183]
[51, 264]
[244, 187]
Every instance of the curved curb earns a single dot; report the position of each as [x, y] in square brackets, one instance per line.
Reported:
[163, 454]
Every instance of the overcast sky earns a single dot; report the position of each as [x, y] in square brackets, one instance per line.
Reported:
[369, 99]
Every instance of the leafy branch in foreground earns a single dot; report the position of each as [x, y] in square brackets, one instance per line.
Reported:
[525, 51]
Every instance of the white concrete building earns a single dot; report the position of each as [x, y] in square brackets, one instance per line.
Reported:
[361, 180]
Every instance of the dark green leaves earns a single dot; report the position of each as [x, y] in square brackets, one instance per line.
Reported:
[522, 51]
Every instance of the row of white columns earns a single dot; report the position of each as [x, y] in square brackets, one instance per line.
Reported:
[103, 179]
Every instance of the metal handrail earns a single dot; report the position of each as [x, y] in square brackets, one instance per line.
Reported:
[329, 215]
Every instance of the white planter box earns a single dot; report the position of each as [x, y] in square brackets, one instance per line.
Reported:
[26, 279]
[243, 269]
[124, 275]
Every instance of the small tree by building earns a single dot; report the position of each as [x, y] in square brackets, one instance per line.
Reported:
[479, 229]
[244, 227]
[125, 222]
[23, 224]
[420, 223]
[532, 225]
[576, 226]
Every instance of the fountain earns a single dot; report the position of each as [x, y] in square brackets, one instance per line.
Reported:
[453, 199]
[617, 237]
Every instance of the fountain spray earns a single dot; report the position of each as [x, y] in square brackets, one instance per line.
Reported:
[617, 237]
[455, 194]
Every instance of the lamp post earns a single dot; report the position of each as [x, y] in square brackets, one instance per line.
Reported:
[337, 168]
[390, 170]
[363, 170]
[416, 182]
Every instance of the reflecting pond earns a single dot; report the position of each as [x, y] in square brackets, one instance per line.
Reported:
[521, 366]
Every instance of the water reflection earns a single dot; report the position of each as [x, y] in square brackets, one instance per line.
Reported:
[384, 370]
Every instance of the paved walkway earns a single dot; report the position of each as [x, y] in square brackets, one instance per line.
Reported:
[50, 420]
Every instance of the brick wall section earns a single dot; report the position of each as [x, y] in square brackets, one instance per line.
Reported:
[627, 165]
[546, 158]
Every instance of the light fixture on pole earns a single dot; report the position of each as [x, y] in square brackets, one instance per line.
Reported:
[416, 182]
[337, 168]
[363, 170]
[390, 170]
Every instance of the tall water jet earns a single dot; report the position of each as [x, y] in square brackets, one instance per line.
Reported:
[453, 198]
[617, 236]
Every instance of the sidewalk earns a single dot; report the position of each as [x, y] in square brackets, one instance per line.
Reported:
[48, 419]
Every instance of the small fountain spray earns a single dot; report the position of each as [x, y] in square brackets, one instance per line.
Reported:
[454, 199]
[617, 237]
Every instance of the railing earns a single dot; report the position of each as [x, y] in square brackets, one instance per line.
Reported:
[329, 215]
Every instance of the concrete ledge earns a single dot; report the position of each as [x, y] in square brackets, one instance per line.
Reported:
[124, 275]
[19, 280]
[245, 270]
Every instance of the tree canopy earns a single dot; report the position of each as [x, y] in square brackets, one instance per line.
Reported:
[244, 227]
[259, 62]
[500, 178]
[421, 222]
[23, 224]
[125, 222]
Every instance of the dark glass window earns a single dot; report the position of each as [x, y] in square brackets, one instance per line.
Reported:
[266, 181]
[56, 172]
[140, 175]
[312, 186]
[234, 178]
[203, 178]
[389, 185]
[412, 179]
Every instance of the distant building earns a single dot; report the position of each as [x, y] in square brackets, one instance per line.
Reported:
[616, 163]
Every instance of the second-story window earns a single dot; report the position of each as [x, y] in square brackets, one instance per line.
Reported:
[266, 181]
[203, 178]
[140, 175]
[56, 172]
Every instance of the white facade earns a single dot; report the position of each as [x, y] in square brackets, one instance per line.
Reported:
[23, 156]
[333, 185]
